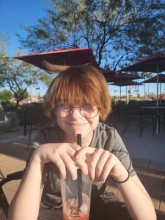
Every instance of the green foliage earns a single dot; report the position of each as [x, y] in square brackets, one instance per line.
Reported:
[117, 31]
[5, 95]
[8, 106]
[18, 76]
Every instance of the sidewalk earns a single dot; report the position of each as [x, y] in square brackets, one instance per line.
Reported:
[147, 153]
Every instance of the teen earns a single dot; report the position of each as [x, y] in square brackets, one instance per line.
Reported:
[77, 100]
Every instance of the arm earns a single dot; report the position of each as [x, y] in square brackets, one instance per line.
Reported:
[101, 164]
[26, 203]
[137, 200]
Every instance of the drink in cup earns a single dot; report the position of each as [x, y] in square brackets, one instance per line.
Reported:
[76, 196]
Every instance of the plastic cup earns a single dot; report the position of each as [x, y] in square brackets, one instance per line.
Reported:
[76, 197]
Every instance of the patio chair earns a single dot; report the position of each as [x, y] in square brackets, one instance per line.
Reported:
[4, 205]
[34, 119]
[142, 116]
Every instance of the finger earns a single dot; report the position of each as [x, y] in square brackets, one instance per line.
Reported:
[100, 165]
[60, 164]
[71, 149]
[82, 165]
[83, 151]
[82, 156]
[110, 163]
[93, 162]
[76, 147]
[70, 165]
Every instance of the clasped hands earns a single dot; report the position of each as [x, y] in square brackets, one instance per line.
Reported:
[95, 162]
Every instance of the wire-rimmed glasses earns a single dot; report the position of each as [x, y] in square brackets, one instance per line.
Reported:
[86, 110]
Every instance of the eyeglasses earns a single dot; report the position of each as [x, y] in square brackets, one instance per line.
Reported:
[87, 111]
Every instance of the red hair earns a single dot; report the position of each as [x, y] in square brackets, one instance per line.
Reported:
[77, 85]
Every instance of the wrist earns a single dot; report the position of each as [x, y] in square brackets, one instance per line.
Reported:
[122, 178]
[36, 160]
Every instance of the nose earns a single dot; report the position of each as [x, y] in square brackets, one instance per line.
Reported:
[75, 112]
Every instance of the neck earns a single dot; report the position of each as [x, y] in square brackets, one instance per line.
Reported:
[85, 140]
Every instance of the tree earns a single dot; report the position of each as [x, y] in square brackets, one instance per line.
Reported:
[119, 32]
[5, 95]
[17, 76]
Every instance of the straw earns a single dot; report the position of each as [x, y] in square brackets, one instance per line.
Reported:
[79, 175]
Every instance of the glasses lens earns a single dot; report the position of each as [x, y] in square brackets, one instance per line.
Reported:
[87, 111]
[62, 110]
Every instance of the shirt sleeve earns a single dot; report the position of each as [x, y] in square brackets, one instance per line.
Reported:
[116, 146]
[39, 138]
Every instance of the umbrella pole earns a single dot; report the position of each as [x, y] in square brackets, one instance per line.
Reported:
[160, 92]
[157, 101]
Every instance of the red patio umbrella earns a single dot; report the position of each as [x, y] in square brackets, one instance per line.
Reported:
[126, 83]
[65, 58]
[125, 77]
[62, 57]
[108, 74]
[154, 79]
[154, 63]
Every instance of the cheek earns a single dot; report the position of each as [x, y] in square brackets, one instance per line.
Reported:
[60, 121]
[94, 122]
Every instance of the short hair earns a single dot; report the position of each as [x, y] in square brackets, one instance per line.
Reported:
[77, 85]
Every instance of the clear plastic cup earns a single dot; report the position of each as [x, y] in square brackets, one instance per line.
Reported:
[76, 197]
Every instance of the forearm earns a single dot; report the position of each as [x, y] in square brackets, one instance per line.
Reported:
[26, 202]
[137, 200]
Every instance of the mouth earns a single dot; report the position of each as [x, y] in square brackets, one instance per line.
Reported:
[76, 124]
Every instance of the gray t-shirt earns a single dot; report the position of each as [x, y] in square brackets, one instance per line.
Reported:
[103, 137]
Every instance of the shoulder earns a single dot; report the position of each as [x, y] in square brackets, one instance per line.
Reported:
[49, 134]
[103, 130]
[105, 136]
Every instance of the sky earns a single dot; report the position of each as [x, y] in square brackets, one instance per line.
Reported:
[16, 12]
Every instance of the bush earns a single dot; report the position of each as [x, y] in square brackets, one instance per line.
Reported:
[8, 106]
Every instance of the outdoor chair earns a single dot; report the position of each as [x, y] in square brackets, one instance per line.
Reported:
[34, 119]
[142, 116]
[4, 205]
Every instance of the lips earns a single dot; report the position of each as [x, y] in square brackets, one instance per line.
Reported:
[76, 124]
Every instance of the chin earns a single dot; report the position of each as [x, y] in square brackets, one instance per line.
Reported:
[78, 132]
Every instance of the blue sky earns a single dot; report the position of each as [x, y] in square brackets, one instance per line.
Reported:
[15, 12]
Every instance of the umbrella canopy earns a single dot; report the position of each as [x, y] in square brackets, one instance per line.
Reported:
[154, 79]
[154, 63]
[126, 83]
[125, 77]
[113, 76]
[62, 57]
[108, 74]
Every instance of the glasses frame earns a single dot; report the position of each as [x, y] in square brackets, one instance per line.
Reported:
[71, 111]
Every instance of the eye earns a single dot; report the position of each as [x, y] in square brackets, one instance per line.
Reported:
[64, 107]
[87, 107]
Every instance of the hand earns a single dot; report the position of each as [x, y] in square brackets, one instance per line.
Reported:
[61, 154]
[100, 164]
